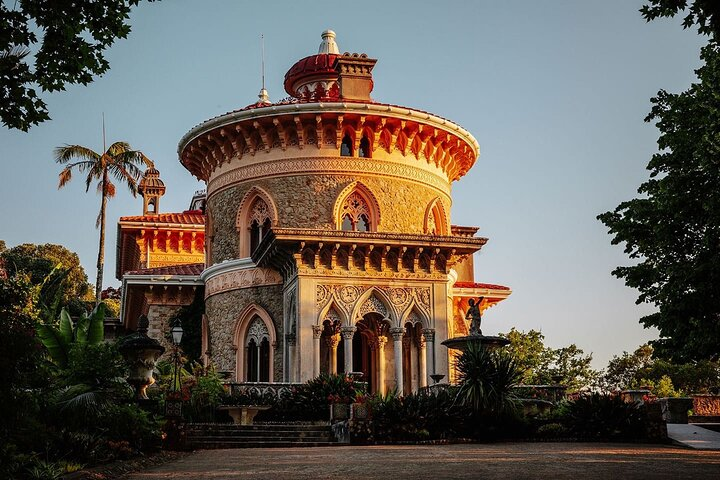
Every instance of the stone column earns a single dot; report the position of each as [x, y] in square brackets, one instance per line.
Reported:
[317, 333]
[397, 333]
[422, 354]
[259, 361]
[347, 335]
[333, 342]
[292, 367]
[429, 334]
[381, 341]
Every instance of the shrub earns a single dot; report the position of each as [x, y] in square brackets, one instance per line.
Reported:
[605, 417]
[552, 430]
[131, 424]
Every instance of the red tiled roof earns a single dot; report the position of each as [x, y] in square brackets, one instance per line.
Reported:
[191, 217]
[188, 269]
[489, 286]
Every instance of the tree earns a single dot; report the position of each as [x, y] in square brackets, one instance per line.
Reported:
[72, 38]
[119, 162]
[622, 370]
[673, 230]
[542, 365]
[53, 267]
[643, 368]
[703, 13]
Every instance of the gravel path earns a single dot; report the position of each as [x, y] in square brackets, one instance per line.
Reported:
[506, 460]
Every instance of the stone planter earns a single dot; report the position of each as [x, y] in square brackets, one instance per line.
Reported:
[359, 411]
[339, 412]
[675, 409]
[141, 353]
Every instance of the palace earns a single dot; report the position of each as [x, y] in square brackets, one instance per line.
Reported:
[323, 242]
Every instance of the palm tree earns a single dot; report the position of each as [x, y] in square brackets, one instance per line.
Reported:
[119, 162]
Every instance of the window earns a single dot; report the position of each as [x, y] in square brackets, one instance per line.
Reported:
[364, 150]
[346, 148]
[356, 214]
[260, 223]
[258, 352]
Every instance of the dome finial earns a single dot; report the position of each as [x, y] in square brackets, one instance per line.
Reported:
[328, 44]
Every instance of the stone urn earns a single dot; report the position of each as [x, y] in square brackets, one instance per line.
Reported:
[141, 353]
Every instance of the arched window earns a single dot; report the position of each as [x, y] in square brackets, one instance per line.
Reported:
[355, 213]
[256, 216]
[364, 150]
[346, 147]
[260, 223]
[356, 209]
[257, 347]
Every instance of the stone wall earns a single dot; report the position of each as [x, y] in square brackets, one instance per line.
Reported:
[160, 318]
[223, 313]
[308, 201]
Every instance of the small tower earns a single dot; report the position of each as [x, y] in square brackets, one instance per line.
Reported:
[151, 188]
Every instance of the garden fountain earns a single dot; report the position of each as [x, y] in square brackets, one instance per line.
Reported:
[476, 336]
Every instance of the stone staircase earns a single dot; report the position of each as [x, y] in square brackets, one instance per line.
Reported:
[228, 435]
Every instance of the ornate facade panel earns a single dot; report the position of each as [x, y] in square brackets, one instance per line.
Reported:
[251, 277]
[308, 201]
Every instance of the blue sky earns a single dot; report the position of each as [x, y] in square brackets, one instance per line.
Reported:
[555, 93]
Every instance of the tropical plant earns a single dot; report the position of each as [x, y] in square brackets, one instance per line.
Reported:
[486, 379]
[120, 162]
[58, 340]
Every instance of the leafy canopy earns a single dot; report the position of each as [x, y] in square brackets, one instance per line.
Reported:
[50, 44]
[542, 365]
[673, 229]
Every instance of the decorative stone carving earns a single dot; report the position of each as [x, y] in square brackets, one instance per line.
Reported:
[257, 332]
[329, 164]
[348, 294]
[373, 305]
[398, 296]
[250, 277]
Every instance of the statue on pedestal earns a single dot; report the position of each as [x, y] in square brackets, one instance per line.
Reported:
[475, 316]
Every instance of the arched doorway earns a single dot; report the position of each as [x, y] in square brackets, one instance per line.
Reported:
[369, 343]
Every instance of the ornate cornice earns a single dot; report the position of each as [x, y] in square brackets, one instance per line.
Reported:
[322, 125]
[334, 165]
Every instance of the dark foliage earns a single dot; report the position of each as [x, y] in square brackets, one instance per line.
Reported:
[673, 229]
[72, 38]
[605, 417]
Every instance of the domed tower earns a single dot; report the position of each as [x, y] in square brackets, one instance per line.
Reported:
[329, 242]
[151, 188]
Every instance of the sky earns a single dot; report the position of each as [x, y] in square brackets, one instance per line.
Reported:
[555, 92]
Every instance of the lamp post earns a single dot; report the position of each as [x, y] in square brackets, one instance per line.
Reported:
[173, 408]
[177, 333]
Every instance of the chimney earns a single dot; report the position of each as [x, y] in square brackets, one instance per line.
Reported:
[355, 76]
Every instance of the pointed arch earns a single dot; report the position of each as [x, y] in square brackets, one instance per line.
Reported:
[328, 309]
[252, 315]
[255, 203]
[381, 297]
[367, 205]
[415, 314]
[436, 221]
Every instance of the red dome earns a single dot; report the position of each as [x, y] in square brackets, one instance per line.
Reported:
[320, 65]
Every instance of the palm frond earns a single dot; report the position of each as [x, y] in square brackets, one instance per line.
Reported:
[64, 154]
[64, 177]
[128, 174]
[117, 148]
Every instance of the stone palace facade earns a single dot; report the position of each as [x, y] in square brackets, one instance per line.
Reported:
[323, 242]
